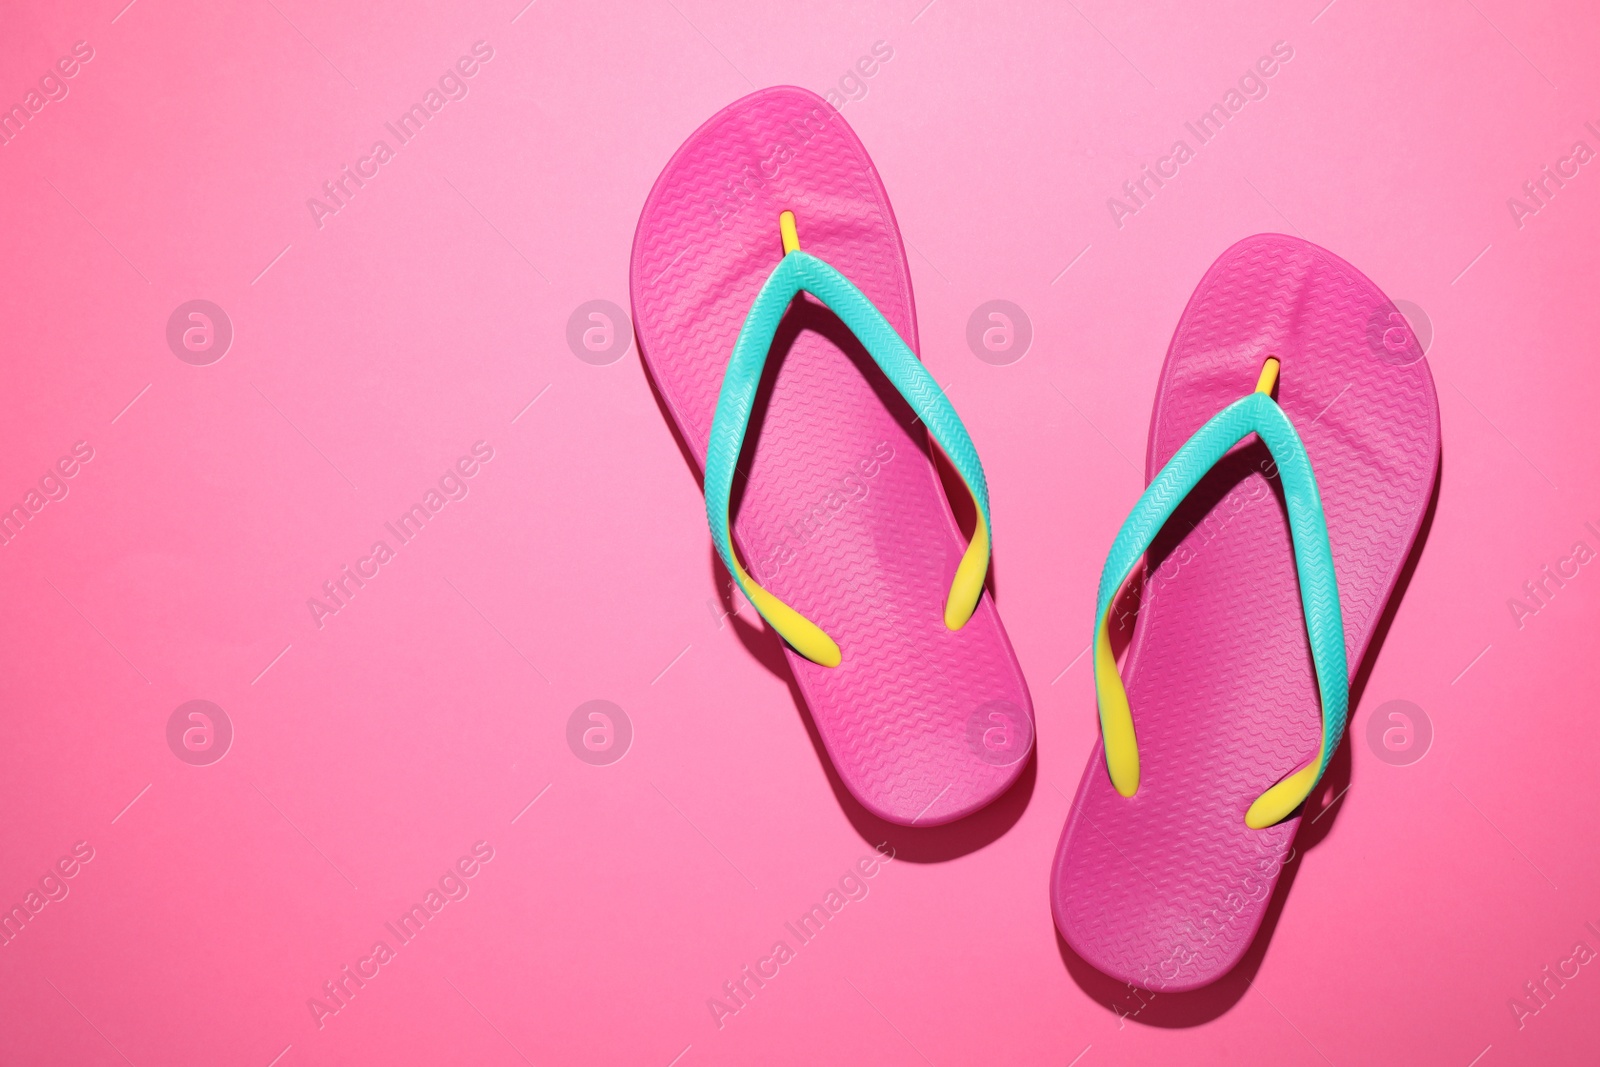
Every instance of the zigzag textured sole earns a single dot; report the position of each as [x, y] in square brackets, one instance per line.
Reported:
[841, 513]
[1167, 889]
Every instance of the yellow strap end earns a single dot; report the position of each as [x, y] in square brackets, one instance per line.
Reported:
[1116, 717]
[805, 636]
[1275, 804]
[968, 584]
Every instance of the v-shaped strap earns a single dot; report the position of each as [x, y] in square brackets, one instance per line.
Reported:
[801, 271]
[1259, 414]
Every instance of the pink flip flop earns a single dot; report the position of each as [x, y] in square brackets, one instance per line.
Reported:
[846, 543]
[1248, 629]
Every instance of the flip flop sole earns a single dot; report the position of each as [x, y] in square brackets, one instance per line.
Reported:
[841, 513]
[1167, 889]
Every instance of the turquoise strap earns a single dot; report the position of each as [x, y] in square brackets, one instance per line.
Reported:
[799, 271]
[1259, 414]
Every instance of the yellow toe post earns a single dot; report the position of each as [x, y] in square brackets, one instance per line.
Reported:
[806, 637]
[791, 236]
[1269, 376]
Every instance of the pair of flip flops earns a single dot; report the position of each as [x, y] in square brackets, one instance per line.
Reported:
[1292, 455]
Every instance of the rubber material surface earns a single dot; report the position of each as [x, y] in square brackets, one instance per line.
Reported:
[1166, 889]
[842, 514]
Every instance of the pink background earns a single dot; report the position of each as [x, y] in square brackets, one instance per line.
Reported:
[370, 353]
